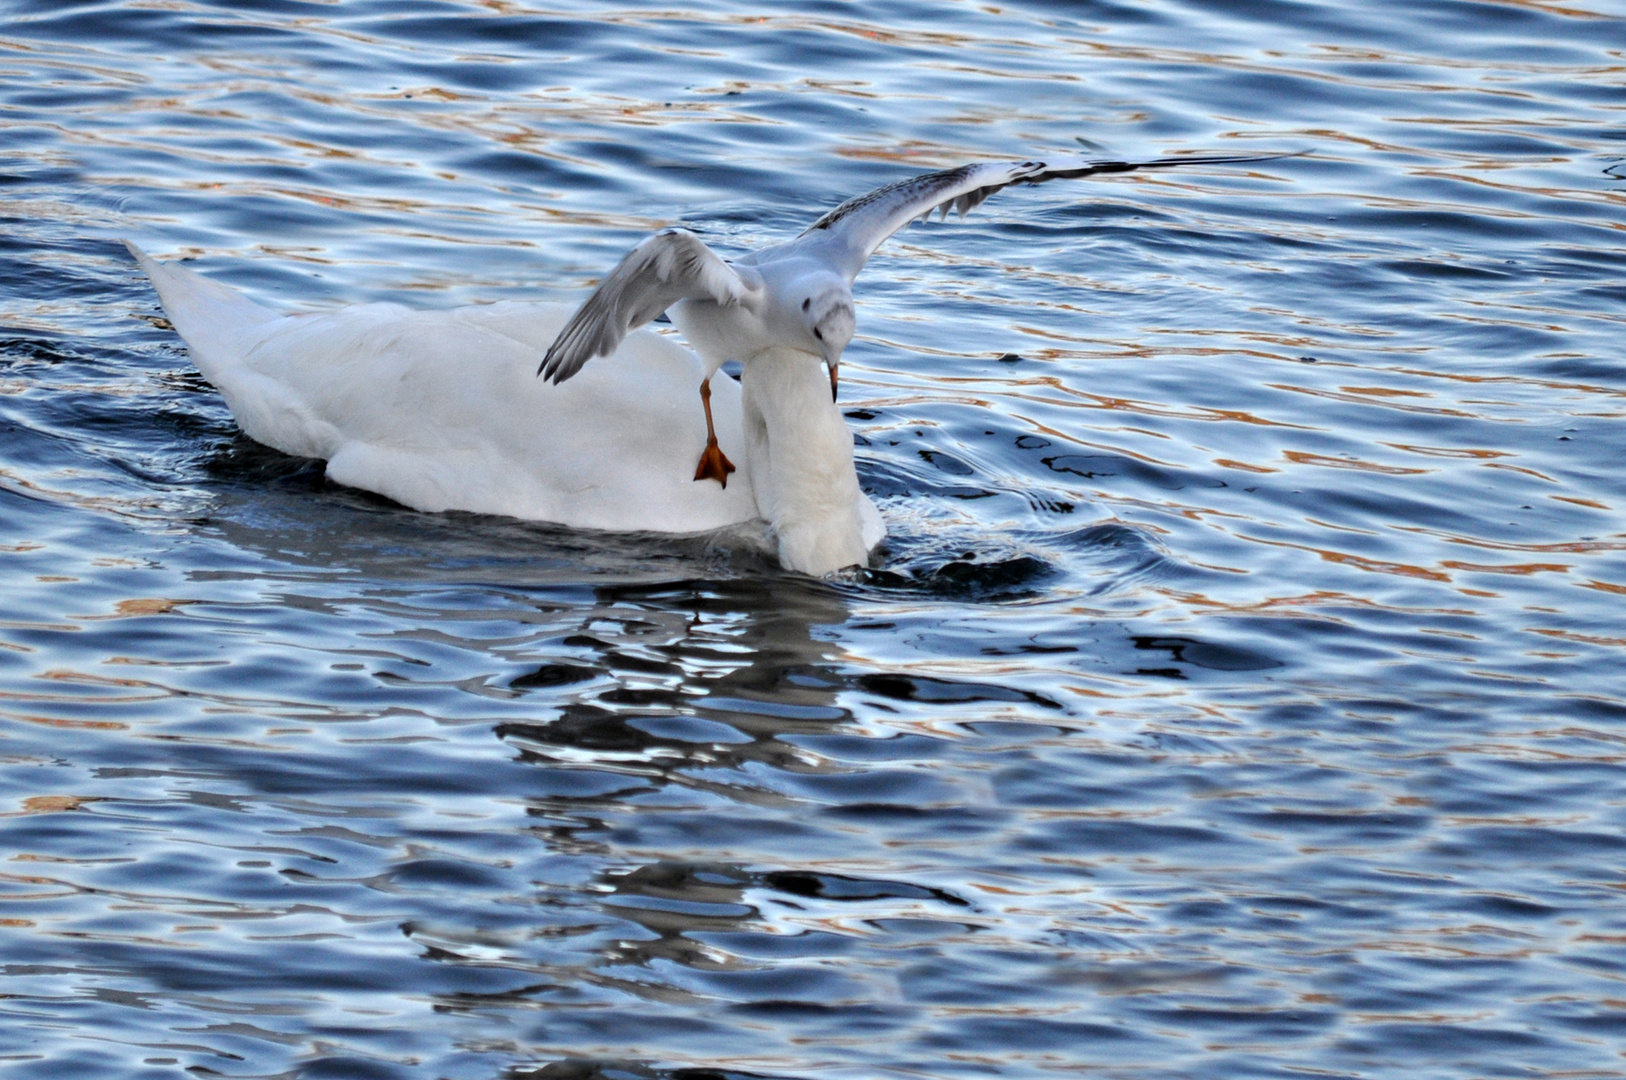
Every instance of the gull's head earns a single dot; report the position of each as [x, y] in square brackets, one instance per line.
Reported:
[827, 315]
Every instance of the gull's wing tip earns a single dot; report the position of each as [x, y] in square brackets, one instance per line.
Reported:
[1239, 159]
[552, 371]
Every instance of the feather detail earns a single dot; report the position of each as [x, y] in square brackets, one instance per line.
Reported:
[860, 225]
[672, 265]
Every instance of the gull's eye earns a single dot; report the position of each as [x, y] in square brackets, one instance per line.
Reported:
[806, 302]
[818, 333]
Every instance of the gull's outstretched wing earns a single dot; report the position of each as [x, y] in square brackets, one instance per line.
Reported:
[860, 225]
[672, 265]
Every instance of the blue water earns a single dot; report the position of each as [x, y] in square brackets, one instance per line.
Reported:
[1240, 693]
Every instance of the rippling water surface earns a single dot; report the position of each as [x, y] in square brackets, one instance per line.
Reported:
[1240, 693]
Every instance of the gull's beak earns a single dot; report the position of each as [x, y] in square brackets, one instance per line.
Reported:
[833, 364]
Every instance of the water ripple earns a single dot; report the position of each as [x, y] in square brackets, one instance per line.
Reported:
[1235, 696]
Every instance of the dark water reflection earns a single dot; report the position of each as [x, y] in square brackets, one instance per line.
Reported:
[1239, 693]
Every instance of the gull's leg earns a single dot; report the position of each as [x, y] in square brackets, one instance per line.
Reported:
[713, 464]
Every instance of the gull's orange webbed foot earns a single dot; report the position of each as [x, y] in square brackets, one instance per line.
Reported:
[714, 464]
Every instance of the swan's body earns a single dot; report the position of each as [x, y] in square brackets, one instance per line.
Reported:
[442, 410]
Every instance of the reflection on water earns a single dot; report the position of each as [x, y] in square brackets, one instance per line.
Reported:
[1237, 695]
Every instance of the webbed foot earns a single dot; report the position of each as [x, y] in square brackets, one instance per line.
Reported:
[714, 464]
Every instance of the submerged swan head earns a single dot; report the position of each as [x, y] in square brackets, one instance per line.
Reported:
[799, 457]
[828, 319]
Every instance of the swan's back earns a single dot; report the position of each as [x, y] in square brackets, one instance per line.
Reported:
[442, 410]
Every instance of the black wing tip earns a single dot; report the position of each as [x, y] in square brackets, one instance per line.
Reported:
[556, 368]
[557, 373]
[1096, 168]
[1225, 159]
[549, 367]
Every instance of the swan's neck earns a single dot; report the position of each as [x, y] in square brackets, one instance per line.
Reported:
[799, 455]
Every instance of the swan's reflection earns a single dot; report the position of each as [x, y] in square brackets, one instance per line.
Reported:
[666, 710]
[706, 676]
[643, 659]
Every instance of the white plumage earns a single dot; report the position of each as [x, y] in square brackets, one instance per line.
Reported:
[441, 410]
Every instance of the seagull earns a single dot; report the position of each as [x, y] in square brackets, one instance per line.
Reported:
[795, 295]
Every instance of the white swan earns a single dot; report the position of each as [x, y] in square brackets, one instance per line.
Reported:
[442, 410]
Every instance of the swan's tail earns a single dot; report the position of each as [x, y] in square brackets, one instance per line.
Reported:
[212, 318]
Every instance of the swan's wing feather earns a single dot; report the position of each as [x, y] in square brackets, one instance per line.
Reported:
[860, 225]
[672, 265]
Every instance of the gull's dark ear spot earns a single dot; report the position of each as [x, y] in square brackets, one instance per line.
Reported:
[806, 302]
[818, 333]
